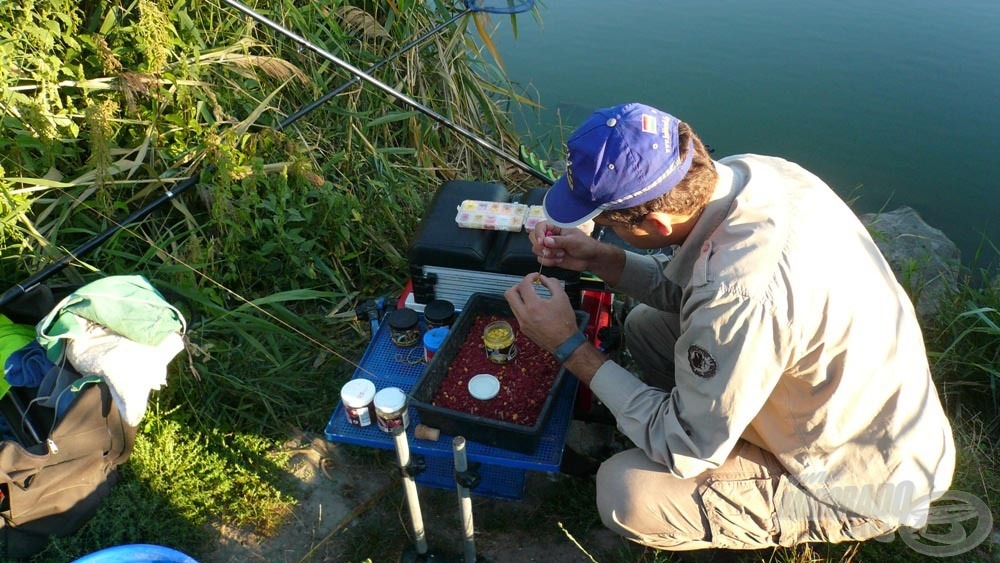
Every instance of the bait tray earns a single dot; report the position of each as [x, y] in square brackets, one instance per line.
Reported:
[514, 437]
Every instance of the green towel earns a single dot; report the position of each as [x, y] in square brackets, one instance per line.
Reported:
[127, 305]
[13, 337]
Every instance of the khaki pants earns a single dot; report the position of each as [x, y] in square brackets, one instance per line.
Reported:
[749, 502]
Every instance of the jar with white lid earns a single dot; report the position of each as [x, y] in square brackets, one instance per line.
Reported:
[358, 396]
[391, 410]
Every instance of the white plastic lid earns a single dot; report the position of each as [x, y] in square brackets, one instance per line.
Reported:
[390, 400]
[357, 393]
[484, 386]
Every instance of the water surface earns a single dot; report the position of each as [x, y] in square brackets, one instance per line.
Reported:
[892, 103]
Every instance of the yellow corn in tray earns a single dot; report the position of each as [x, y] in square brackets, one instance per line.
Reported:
[491, 215]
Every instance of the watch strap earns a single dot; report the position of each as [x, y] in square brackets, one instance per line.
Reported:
[566, 349]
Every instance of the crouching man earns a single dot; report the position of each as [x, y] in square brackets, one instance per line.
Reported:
[783, 393]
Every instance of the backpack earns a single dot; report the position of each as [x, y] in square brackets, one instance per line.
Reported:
[56, 472]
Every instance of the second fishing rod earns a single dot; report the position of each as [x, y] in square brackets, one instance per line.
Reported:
[173, 192]
[396, 94]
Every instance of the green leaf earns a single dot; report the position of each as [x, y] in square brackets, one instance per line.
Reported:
[392, 117]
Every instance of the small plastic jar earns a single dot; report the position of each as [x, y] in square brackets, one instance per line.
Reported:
[357, 396]
[439, 313]
[390, 409]
[404, 327]
[498, 338]
[433, 339]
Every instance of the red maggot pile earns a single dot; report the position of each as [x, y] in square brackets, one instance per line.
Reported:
[525, 382]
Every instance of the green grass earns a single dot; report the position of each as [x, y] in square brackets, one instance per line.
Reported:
[106, 105]
[179, 481]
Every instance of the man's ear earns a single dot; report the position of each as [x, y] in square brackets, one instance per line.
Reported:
[659, 223]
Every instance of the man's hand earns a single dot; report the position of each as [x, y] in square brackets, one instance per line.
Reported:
[570, 249]
[546, 321]
[573, 249]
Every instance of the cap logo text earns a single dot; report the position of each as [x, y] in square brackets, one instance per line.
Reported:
[668, 147]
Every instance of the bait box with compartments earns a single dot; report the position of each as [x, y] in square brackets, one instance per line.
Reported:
[450, 261]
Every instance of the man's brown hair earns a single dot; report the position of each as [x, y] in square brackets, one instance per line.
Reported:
[688, 196]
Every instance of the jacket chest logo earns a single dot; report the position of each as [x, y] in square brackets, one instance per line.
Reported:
[702, 363]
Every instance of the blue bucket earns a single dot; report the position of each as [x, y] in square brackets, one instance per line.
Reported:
[136, 552]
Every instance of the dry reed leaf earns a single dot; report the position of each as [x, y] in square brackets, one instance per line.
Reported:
[237, 56]
[482, 20]
[343, 309]
[313, 178]
[271, 66]
[358, 21]
[243, 126]
[60, 211]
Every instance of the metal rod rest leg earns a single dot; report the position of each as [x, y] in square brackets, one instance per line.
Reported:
[464, 501]
[410, 487]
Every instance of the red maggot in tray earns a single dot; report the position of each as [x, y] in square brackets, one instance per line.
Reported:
[525, 382]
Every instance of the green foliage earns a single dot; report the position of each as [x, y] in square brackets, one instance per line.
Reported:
[266, 365]
[132, 513]
[179, 480]
[214, 474]
[965, 356]
[275, 227]
[286, 225]
[37, 118]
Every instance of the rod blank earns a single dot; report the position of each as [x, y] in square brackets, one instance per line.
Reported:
[389, 90]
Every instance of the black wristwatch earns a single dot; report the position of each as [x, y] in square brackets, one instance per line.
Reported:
[566, 349]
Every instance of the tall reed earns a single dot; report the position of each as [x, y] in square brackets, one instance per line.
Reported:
[107, 105]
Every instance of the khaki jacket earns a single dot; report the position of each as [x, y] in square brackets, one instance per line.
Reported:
[796, 337]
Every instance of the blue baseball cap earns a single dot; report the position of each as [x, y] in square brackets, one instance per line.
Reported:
[620, 157]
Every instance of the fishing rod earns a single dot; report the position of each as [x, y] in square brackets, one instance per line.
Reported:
[396, 94]
[97, 240]
[355, 79]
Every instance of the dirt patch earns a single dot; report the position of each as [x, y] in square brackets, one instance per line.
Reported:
[351, 507]
[331, 488]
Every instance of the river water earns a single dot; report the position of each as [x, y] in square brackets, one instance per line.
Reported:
[892, 102]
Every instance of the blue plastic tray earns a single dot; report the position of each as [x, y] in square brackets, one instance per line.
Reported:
[387, 365]
[494, 481]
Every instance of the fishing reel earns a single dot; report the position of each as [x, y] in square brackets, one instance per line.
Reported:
[371, 311]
